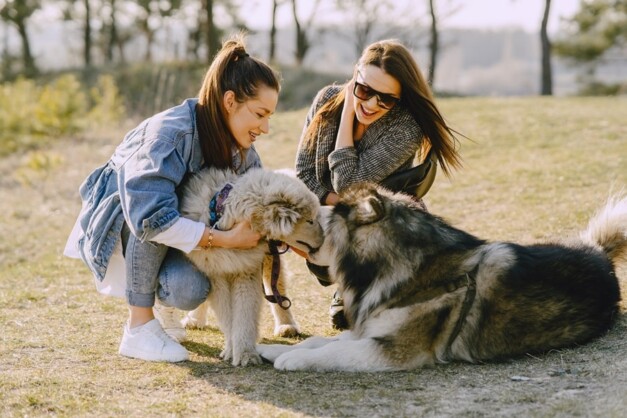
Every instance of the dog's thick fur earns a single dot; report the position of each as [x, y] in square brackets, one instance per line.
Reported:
[418, 291]
[277, 206]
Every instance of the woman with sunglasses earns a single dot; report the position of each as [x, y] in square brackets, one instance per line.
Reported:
[371, 128]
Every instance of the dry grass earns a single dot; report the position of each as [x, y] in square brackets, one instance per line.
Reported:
[536, 170]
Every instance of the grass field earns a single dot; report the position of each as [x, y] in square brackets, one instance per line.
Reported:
[535, 169]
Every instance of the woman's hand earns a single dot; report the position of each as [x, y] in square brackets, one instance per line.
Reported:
[331, 199]
[241, 236]
[345, 130]
[348, 111]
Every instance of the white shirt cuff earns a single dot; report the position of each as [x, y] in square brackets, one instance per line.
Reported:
[184, 235]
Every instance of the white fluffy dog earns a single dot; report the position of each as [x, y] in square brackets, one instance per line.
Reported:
[277, 206]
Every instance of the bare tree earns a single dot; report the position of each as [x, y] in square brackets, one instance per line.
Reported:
[547, 79]
[211, 34]
[87, 34]
[365, 15]
[7, 59]
[195, 38]
[434, 43]
[83, 12]
[110, 33]
[143, 22]
[18, 12]
[153, 10]
[272, 52]
[302, 37]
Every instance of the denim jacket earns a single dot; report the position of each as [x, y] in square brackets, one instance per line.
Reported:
[138, 184]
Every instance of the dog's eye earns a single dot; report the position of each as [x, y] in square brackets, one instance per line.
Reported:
[310, 221]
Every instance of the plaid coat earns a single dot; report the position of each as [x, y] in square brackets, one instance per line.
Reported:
[388, 145]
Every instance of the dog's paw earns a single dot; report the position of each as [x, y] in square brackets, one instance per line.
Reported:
[246, 358]
[293, 360]
[270, 352]
[286, 331]
[192, 322]
[227, 353]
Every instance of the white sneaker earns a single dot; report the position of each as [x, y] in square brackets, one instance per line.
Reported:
[149, 342]
[170, 321]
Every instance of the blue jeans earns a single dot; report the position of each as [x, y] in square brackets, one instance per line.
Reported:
[156, 269]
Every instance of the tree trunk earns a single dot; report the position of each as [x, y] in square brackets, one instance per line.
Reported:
[547, 80]
[87, 46]
[212, 42]
[112, 38]
[30, 70]
[434, 45]
[6, 58]
[271, 55]
[301, 38]
[149, 42]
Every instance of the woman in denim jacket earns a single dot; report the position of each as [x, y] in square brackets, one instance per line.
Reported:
[371, 128]
[130, 204]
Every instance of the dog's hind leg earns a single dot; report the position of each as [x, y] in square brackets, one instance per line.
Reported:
[246, 306]
[284, 323]
[198, 317]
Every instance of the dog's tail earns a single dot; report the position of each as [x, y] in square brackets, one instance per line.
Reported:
[607, 228]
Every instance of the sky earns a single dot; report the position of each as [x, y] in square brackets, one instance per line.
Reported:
[526, 14]
[483, 14]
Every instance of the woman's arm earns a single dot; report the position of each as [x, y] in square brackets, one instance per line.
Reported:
[241, 236]
[345, 137]
[186, 234]
[306, 153]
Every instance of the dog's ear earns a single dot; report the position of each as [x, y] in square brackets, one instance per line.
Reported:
[369, 209]
[278, 220]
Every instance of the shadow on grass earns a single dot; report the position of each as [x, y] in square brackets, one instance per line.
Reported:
[525, 383]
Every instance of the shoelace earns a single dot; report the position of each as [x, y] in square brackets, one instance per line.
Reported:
[165, 338]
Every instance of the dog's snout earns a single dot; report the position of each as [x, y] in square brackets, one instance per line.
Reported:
[310, 249]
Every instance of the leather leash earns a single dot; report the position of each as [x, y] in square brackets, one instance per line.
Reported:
[276, 297]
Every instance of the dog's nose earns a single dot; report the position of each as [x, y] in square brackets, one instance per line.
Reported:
[314, 250]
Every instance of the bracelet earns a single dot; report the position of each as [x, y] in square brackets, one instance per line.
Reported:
[209, 240]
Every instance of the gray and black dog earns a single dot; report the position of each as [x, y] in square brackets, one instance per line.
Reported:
[418, 291]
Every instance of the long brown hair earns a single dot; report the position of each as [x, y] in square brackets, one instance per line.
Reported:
[396, 60]
[232, 69]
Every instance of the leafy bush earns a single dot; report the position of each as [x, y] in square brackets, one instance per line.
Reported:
[61, 108]
[597, 88]
[17, 108]
[31, 115]
[107, 103]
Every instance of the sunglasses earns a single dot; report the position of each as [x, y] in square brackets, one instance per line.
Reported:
[384, 100]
